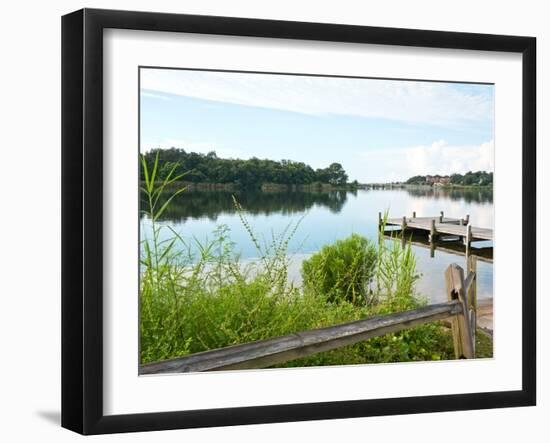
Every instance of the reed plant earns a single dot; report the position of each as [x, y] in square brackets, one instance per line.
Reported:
[396, 271]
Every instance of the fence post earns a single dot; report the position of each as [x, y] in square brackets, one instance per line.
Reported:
[461, 329]
[457, 344]
[472, 297]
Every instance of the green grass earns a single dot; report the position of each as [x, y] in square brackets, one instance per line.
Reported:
[484, 344]
[196, 301]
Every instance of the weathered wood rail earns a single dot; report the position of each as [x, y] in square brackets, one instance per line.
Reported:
[460, 309]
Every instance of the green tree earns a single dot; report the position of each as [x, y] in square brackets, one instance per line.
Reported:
[416, 180]
[337, 174]
[251, 173]
[456, 179]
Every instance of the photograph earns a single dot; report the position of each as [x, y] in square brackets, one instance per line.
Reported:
[292, 220]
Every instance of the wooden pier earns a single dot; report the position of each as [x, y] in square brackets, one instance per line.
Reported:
[440, 225]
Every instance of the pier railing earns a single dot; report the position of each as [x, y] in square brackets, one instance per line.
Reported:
[460, 309]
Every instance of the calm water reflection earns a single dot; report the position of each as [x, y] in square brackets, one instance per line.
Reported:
[328, 216]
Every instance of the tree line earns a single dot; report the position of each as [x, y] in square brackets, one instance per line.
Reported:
[209, 168]
[478, 178]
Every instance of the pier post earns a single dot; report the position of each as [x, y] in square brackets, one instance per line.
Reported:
[467, 219]
[414, 214]
[433, 232]
[468, 239]
[441, 216]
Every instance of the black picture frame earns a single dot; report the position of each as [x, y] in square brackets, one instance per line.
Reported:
[82, 218]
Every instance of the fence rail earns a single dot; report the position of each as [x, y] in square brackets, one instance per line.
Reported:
[272, 351]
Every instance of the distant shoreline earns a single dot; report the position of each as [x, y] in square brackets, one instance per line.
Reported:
[418, 186]
[316, 187]
[265, 187]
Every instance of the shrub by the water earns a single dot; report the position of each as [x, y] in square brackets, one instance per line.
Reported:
[342, 270]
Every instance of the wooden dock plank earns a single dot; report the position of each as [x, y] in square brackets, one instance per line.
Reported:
[426, 220]
[449, 226]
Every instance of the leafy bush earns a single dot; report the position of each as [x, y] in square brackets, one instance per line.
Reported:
[341, 271]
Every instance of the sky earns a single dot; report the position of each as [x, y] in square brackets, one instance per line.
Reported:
[379, 130]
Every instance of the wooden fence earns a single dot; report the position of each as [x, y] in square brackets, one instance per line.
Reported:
[460, 309]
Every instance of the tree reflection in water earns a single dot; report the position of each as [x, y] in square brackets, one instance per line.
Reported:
[211, 204]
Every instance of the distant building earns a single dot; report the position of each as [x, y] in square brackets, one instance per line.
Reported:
[438, 179]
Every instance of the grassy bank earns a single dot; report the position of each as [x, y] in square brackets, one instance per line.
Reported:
[192, 302]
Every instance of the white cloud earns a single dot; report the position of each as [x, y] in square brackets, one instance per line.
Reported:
[395, 164]
[153, 95]
[439, 104]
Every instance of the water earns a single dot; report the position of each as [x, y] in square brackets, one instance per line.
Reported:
[326, 217]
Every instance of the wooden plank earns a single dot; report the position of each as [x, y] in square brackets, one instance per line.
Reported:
[446, 220]
[264, 353]
[450, 226]
[462, 335]
[482, 233]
